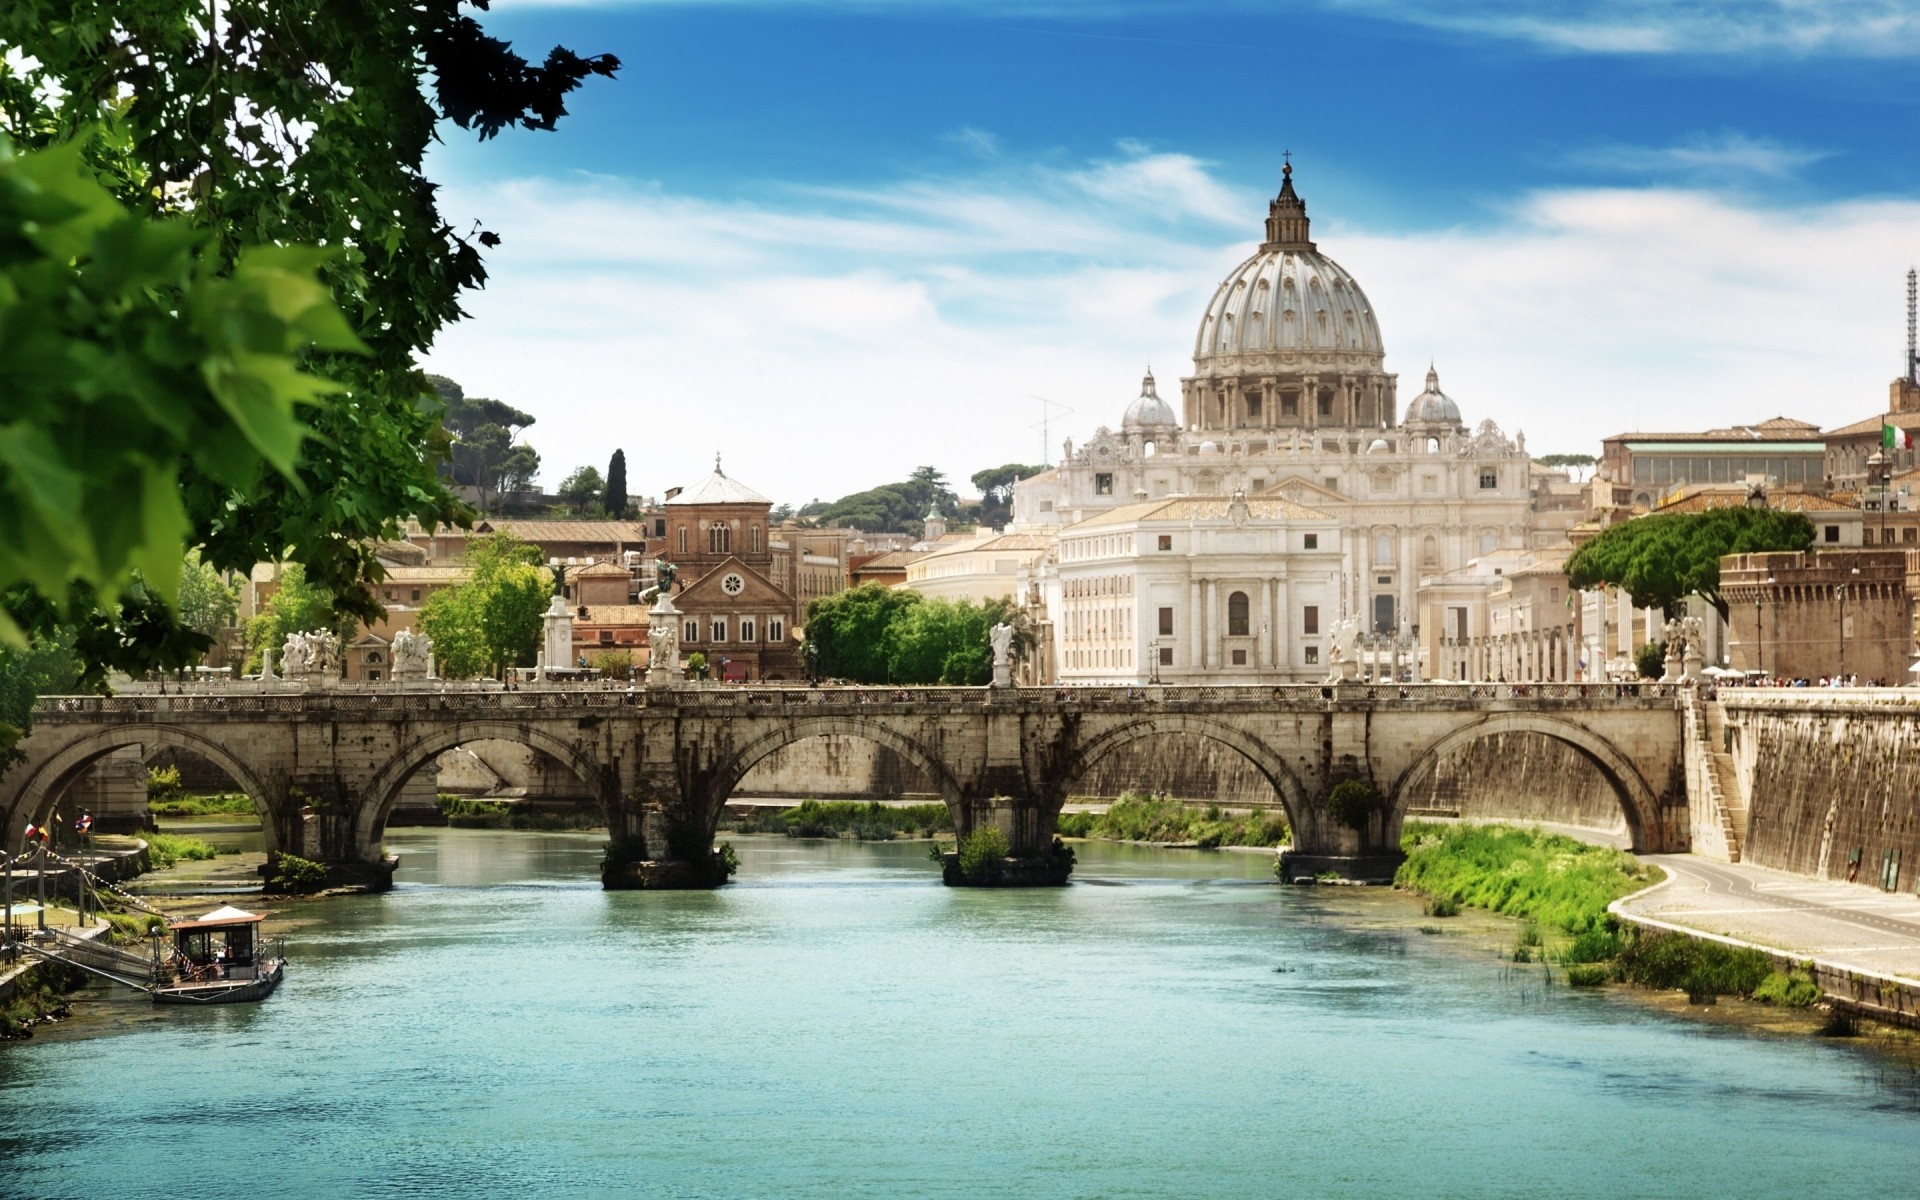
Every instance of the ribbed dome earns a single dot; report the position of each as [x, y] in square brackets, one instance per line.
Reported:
[1287, 297]
[1149, 411]
[1432, 407]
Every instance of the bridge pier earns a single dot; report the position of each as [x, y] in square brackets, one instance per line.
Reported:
[1036, 857]
[663, 839]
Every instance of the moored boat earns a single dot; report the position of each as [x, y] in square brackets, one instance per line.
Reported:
[219, 958]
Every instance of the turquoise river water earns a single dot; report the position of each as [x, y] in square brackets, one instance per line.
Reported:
[836, 1023]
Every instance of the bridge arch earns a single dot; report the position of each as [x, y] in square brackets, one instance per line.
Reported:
[731, 770]
[1274, 768]
[1638, 802]
[383, 789]
[44, 783]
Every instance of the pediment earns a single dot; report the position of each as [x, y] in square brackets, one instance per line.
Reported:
[710, 591]
[1305, 491]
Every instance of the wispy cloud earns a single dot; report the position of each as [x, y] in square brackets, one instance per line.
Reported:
[831, 339]
[1848, 28]
[1729, 155]
[1870, 28]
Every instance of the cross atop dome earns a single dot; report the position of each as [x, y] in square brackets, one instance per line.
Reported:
[1287, 223]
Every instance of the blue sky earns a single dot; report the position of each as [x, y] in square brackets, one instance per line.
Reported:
[838, 240]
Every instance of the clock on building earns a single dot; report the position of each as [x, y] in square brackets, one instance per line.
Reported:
[733, 583]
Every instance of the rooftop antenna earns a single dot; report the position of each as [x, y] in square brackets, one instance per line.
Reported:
[1913, 354]
[1044, 425]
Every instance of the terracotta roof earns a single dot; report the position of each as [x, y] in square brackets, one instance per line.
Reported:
[1699, 498]
[892, 560]
[1200, 508]
[1774, 429]
[1903, 420]
[613, 614]
[543, 530]
[450, 574]
[600, 570]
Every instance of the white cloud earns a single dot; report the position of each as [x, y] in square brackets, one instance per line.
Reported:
[1727, 156]
[1866, 28]
[828, 340]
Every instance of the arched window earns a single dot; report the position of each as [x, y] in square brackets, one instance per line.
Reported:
[756, 538]
[683, 540]
[1383, 548]
[1430, 552]
[719, 538]
[1237, 615]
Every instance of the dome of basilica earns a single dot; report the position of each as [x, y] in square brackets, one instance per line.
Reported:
[1149, 411]
[1432, 407]
[1287, 297]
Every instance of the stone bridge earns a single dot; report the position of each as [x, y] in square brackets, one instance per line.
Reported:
[326, 766]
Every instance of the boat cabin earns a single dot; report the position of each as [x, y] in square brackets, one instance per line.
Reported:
[222, 945]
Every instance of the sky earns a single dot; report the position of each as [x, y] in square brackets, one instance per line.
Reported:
[835, 240]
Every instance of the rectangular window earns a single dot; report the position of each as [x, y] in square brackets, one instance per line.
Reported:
[1333, 485]
[1313, 655]
[1489, 480]
[1253, 405]
[746, 629]
[1239, 658]
[1832, 533]
[660, 527]
[1166, 622]
[1310, 620]
[719, 629]
[1906, 535]
[1313, 541]
[1289, 404]
[1383, 579]
[1103, 484]
[691, 633]
[1166, 656]
[606, 637]
[1166, 541]
[1326, 404]
[1046, 506]
[416, 595]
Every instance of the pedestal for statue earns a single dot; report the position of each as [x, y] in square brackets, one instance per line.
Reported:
[663, 642]
[1693, 663]
[556, 643]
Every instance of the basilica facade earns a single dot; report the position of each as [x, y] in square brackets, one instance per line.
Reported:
[1289, 401]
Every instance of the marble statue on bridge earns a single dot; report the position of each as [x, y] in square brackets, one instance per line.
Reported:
[411, 654]
[1340, 654]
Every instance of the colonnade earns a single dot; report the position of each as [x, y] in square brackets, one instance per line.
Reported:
[1550, 655]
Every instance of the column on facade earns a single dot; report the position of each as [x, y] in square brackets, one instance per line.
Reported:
[1193, 624]
[1282, 626]
[1310, 400]
[1262, 659]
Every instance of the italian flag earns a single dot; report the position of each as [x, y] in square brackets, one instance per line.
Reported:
[1892, 437]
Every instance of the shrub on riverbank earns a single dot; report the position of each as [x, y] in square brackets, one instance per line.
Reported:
[40, 994]
[462, 813]
[981, 850]
[1137, 818]
[866, 821]
[132, 928]
[1559, 882]
[166, 849]
[1673, 961]
[184, 804]
[297, 876]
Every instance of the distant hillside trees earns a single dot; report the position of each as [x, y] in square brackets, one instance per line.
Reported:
[484, 452]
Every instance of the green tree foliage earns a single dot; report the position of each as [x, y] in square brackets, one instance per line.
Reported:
[45, 666]
[298, 606]
[134, 375]
[1662, 559]
[1576, 461]
[1651, 660]
[208, 601]
[996, 490]
[581, 490]
[891, 507]
[292, 123]
[875, 634]
[615, 498]
[493, 620]
[484, 453]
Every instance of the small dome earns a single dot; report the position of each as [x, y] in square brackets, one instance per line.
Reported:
[1378, 446]
[1149, 411]
[1432, 407]
[1209, 448]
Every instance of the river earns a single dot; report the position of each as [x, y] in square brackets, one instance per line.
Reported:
[836, 1023]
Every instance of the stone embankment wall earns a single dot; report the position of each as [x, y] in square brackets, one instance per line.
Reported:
[1831, 781]
[1519, 777]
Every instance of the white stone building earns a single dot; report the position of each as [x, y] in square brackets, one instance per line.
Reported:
[1290, 398]
[1194, 589]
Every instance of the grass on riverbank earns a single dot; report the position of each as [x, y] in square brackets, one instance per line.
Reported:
[1137, 818]
[166, 849]
[1555, 882]
[462, 813]
[866, 821]
[221, 804]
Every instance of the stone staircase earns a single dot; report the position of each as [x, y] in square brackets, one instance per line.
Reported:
[1708, 723]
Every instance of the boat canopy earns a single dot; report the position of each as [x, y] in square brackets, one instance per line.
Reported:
[223, 916]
